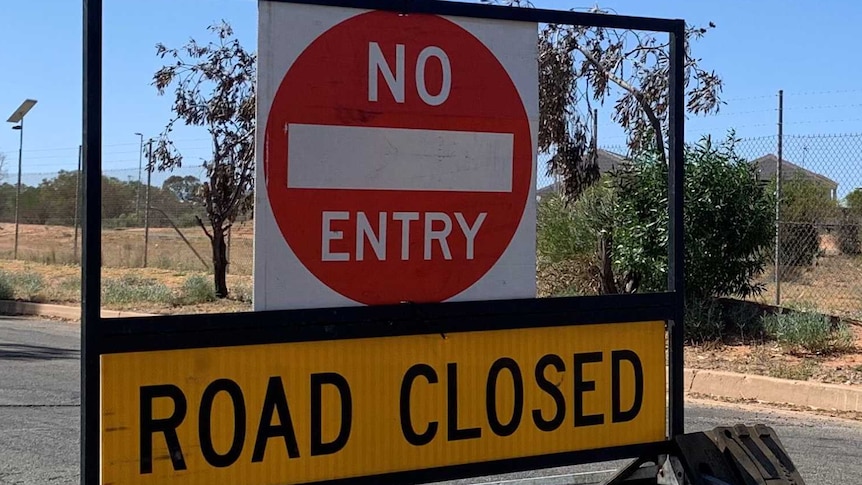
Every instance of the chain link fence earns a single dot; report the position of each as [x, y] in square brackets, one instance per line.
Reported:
[143, 225]
[816, 261]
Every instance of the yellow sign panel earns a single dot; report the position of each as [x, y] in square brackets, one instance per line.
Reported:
[312, 411]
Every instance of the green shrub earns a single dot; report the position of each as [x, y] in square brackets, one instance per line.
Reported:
[743, 317]
[242, 292]
[569, 230]
[7, 291]
[197, 289]
[28, 285]
[66, 289]
[704, 320]
[799, 243]
[567, 239]
[728, 222]
[804, 204]
[808, 330]
[848, 234]
[799, 372]
[131, 289]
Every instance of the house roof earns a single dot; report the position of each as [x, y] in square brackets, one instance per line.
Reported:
[767, 165]
[606, 160]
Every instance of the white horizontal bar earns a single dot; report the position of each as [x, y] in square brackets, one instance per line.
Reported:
[351, 157]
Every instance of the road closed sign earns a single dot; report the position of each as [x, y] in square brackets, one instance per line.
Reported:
[314, 411]
[396, 158]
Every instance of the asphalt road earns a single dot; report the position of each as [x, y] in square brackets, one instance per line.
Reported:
[40, 397]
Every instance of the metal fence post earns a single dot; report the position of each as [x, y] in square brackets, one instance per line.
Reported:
[778, 198]
[77, 202]
[147, 203]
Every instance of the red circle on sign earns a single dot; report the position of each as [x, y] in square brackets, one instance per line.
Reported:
[328, 85]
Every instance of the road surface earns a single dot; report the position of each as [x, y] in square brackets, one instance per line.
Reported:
[40, 397]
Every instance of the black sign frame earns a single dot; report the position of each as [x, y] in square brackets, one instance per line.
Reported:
[217, 330]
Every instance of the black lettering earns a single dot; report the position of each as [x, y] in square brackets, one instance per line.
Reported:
[233, 390]
[318, 447]
[275, 402]
[407, 429]
[168, 426]
[453, 432]
[497, 427]
[582, 386]
[553, 390]
[618, 415]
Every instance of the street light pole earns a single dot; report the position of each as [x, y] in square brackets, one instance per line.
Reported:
[18, 117]
[20, 128]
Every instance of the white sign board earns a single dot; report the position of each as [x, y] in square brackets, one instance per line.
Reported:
[395, 158]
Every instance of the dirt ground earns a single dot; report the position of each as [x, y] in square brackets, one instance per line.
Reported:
[832, 285]
[770, 359]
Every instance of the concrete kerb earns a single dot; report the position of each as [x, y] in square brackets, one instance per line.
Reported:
[832, 397]
[13, 307]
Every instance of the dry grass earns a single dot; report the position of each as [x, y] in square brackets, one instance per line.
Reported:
[124, 248]
[63, 286]
[832, 286]
[772, 359]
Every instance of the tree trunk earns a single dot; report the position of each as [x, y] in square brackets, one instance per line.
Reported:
[608, 284]
[219, 260]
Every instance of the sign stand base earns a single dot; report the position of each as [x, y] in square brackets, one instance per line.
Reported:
[744, 455]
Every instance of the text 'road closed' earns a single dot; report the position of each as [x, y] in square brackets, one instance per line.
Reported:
[314, 411]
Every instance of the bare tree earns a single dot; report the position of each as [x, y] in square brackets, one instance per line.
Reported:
[213, 86]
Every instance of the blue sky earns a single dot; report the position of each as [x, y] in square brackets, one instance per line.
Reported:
[758, 48]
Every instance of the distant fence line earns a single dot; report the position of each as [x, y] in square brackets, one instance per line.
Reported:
[817, 230]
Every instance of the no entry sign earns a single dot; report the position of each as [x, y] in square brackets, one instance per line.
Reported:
[397, 155]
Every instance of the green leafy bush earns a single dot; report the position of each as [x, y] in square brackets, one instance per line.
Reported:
[640, 233]
[197, 289]
[808, 330]
[242, 292]
[728, 222]
[848, 233]
[568, 238]
[132, 289]
[804, 204]
[727, 218]
[567, 231]
[7, 290]
[28, 285]
[704, 320]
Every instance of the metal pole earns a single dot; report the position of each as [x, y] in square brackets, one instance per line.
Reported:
[778, 198]
[77, 201]
[147, 209]
[138, 190]
[227, 255]
[18, 190]
[92, 244]
[676, 236]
